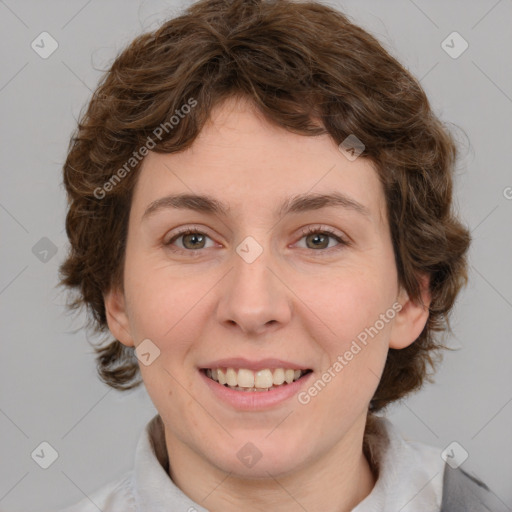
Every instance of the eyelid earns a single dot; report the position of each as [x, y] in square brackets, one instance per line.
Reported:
[183, 229]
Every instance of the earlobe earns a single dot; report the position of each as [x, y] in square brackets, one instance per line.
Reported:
[411, 319]
[117, 318]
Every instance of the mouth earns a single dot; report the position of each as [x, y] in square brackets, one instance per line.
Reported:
[246, 380]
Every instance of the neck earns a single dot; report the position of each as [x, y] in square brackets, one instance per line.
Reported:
[335, 481]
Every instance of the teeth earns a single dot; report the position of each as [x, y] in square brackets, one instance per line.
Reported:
[262, 379]
[221, 377]
[247, 380]
[231, 377]
[278, 376]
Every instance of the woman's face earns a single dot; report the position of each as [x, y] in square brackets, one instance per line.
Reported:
[258, 286]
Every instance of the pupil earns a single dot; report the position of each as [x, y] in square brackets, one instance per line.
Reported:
[194, 237]
[318, 237]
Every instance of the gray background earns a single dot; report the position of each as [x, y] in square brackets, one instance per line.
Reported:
[48, 386]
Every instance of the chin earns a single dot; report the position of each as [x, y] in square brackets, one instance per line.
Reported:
[259, 458]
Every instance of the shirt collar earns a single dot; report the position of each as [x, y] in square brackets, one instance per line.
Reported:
[409, 473]
[154, 489]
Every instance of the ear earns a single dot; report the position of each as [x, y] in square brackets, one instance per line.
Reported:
[117, 317]
[411, 319]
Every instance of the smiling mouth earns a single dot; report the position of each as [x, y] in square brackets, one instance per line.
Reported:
[242, 379]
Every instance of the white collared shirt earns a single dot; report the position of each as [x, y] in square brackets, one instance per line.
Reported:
[410, 478]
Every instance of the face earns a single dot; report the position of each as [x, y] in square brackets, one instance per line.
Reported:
[277, 278]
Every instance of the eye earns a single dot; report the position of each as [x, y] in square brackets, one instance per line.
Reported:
[192, 240]
[318, 238]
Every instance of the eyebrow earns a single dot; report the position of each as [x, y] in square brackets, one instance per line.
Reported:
[295, 204]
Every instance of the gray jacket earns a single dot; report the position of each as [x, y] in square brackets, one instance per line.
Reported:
[464, 493]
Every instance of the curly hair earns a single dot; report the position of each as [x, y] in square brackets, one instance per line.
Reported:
[308, 69]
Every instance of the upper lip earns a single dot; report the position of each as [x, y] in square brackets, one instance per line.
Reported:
[260, 364]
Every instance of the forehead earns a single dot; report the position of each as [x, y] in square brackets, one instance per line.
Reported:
[243, 161]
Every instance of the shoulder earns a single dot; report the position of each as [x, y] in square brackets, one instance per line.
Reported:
[416, 476]
[465, 493]
[112, 497]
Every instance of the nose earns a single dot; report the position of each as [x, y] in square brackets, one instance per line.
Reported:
[253, 297]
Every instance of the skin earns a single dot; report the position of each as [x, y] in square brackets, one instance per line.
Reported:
[294, 302]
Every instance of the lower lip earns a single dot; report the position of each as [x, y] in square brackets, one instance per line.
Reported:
[255, 400]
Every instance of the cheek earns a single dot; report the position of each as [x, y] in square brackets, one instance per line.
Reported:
[162, 299]
[354, 340]
[348, 302]
[357, 307]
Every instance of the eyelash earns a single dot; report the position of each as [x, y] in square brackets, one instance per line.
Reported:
[309, 231]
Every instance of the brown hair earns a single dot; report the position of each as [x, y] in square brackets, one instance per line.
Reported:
[308, 69]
